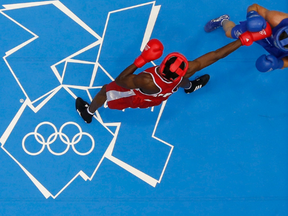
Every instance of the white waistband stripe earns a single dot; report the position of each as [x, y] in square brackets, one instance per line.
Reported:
[114, 95]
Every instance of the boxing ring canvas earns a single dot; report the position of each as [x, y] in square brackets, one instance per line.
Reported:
[221, 150]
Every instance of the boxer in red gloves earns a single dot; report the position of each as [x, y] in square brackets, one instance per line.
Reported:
[154, 85]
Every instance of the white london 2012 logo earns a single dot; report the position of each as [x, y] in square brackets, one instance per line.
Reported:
[53, 137]
[57, 140]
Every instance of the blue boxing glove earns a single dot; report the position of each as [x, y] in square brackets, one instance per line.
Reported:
[268, 63]
[255, 22]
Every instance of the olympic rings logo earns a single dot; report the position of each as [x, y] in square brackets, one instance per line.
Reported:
[52, 138]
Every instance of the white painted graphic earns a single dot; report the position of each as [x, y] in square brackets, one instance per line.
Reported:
[53, 137]
[37, 104]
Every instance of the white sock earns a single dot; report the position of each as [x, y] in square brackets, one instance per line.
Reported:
[89, 111]
[223, 21]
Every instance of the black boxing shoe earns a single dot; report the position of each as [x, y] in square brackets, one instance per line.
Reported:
[197, 83]
[81, 107]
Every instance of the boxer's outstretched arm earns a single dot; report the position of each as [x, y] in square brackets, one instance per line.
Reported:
[211, 57]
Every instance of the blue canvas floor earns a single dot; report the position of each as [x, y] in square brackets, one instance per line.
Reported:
[221, 150]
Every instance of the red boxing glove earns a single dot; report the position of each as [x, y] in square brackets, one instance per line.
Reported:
[247, 38]
[152, 51]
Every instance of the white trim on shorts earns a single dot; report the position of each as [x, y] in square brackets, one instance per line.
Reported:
[114, 95]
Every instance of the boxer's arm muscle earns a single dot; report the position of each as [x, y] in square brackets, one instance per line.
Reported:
[211, 57]
[125, 78]
[273, 17]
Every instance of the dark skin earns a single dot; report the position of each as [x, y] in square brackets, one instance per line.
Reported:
[127, 79]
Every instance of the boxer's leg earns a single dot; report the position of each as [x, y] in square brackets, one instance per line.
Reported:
[86, 111]
[98, 100]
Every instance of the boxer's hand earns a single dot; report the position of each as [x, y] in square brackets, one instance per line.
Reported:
[247, 38]
[255, 22]
[268, 63]
[152, 51]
